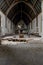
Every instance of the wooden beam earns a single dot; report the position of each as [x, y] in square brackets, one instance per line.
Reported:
[24, 13]
[15, 15]
[34, 3]
[27, 15]
[29, 5]
[10, 7]
[13, 4]
[7, 2]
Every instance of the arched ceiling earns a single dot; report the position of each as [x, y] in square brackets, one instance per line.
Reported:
[20, 9]
[17, 18]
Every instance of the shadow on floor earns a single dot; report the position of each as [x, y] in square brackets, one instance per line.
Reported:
[16, 55]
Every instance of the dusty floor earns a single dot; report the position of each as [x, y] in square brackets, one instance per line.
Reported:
[22, 54]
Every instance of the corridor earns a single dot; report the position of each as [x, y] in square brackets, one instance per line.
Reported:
[21, 32]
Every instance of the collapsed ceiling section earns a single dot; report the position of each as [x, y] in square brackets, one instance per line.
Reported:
[20, 9]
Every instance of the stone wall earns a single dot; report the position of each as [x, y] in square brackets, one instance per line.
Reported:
[6, 25]
[36, 25]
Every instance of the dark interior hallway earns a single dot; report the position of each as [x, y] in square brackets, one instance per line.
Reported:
[21, 32]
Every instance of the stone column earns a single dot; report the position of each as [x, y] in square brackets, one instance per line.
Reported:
[42, 16]
[37, 24]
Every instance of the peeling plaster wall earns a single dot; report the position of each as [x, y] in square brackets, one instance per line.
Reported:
[32, 25]
[6, 25]
[33, 29]
[40, 23]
